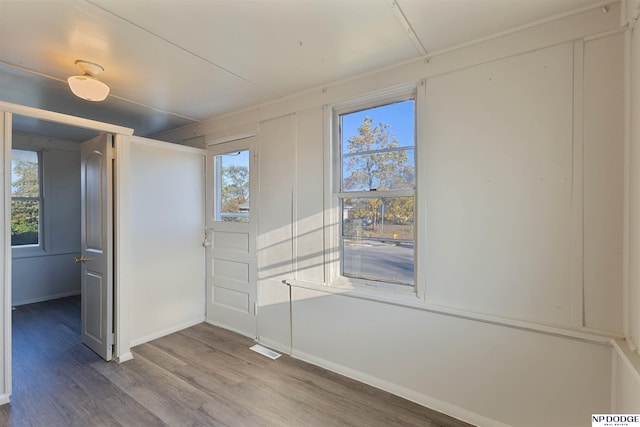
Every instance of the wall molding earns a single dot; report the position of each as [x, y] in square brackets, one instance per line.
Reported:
[628, 356]
[590, 336]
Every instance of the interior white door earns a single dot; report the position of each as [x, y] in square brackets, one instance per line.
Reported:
[97, 245]
[231, 235]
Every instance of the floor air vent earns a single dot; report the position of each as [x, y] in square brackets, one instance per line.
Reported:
[265, 351]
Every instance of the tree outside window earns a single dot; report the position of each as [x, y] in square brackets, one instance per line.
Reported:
[377, 189]
[25, 198]
[232, 187]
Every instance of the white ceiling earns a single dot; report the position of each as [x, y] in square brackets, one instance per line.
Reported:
[171, 63]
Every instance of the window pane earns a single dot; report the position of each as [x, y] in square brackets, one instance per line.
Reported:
[378, 239]
[24, 174]
[25, 203]
[232, 186]
[377, 148]
[390, 263]
[388, 170]
[25, 217]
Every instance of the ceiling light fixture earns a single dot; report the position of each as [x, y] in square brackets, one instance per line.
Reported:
[87, 86]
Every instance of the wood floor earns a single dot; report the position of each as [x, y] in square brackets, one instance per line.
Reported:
[201, 376]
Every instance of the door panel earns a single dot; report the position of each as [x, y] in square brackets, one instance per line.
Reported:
[231, 227]
[97, 245]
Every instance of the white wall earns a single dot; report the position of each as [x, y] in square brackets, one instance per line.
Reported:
[482, 372]
[634, 194]
[626, 367]
[524, 224]
[499, 187]
[48, 273]
[166, 275]
[274, 250]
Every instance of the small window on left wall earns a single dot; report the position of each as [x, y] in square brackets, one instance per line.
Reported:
[26, 198]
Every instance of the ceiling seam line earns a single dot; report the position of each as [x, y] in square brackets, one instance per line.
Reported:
[177, 46]
[158, 110]
[406, 25]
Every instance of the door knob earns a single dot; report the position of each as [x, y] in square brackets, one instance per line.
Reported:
[82, 259]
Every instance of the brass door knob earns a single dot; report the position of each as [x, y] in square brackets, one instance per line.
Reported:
[82, 259]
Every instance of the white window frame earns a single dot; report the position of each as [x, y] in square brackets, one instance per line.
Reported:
[218, 215]
[370, 288]
[40, 247]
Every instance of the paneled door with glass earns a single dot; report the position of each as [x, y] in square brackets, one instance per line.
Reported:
[231, 236]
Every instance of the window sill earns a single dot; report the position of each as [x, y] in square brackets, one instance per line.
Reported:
[410, 300]
[397, 294]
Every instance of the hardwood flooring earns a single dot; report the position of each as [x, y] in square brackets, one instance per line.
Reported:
[201, 376]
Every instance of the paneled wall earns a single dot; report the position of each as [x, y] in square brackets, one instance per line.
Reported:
[633, 306]
[523, 221]
[274, 250]
[626, 368]
[500, 187]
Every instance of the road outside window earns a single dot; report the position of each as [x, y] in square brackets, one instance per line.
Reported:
[377, 192]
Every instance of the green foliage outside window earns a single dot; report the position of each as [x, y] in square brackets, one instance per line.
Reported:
[376, 162]
[25, 202]
[235, 189]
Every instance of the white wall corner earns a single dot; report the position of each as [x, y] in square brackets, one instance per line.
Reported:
[123, 278]
[124, 357]
[163, 333]
[4, 399]
[632, 8]
[629, 356]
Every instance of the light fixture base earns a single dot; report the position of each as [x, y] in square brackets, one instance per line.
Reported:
[89, 67]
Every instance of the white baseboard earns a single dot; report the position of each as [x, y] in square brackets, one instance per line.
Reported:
[275, 345]
[228, 328]
[405, 393]
[4, 399]
[124, 357]
[167, 331]
[46, 298]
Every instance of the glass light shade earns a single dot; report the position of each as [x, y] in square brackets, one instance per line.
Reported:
[88, 87]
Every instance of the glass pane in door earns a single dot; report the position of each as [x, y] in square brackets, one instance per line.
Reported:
[231, 187]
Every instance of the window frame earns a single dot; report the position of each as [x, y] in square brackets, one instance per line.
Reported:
[40, 246]
[217, 169]
[368, 287]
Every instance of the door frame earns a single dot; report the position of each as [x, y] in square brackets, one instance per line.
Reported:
[121, 227]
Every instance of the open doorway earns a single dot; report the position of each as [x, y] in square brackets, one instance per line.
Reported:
[62, 210]
[53, 246]
[45, 218]
[45, 240]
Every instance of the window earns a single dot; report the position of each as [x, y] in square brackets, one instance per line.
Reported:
[376, 192]
[231, 187]
[26, 198]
